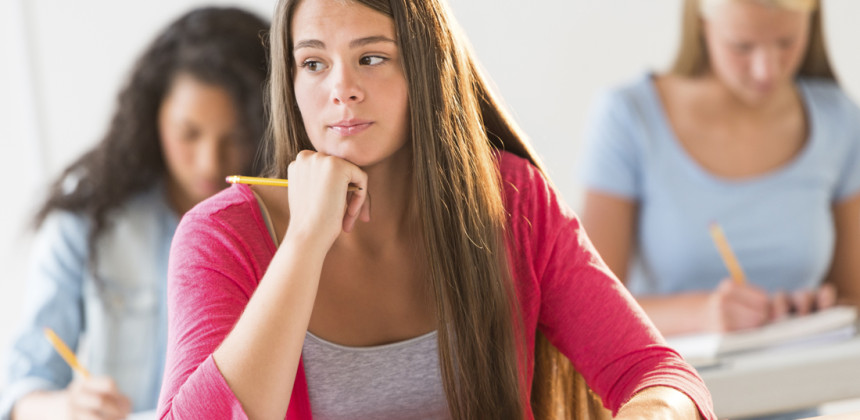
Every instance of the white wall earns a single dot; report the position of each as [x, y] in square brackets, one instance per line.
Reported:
[62, 62]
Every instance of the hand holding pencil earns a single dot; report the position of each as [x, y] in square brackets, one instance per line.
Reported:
[737, 304]
[274, 182]
[327, 195]
[88, 396]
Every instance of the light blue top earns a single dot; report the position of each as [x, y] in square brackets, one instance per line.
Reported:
[118, 323]
[779, 224]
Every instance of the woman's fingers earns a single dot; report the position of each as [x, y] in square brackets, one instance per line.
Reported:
[97, 398]
[746, 306]
[356, 199]
[826, 297]
[780, 306]
[741, 306]
[365, 209]
[802, 301]
[357, 208]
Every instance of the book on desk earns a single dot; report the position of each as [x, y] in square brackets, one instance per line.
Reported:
[829, 325]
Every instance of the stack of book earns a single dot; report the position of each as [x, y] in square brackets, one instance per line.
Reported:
[826, 326]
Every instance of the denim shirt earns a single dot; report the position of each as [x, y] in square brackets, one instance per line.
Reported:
[116, 320]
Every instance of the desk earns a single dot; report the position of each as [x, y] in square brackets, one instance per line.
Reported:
[143, 415]
[846, 416]
[784, 379]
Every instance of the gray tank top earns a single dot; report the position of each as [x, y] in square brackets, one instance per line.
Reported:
[400, 380]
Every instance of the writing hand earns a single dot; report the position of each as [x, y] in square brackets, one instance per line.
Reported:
[96, 398]
[735, 306]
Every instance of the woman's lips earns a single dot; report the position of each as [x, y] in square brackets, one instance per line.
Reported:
[350, 127]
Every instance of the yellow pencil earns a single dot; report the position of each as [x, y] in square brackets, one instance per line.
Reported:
[726, 253]
[252, 180]
[65, 352]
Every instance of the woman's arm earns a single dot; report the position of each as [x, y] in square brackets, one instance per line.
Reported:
[845, 269]
[40, 382]
[610, 222]
[253, 331]
[259, 358]
[572, 297]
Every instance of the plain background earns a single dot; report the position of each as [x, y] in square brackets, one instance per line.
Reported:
[62, 63]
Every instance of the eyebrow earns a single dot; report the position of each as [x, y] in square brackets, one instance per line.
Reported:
[315, 43]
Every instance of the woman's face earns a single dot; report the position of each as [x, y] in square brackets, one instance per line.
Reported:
[349, 81]
[201, 140]
[755, 49]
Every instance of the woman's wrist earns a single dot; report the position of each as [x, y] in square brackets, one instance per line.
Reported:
[306, 242]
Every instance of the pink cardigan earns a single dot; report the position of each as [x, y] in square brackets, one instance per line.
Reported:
[222, 248]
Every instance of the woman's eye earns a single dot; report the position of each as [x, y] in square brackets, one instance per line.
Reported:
[786, 43]
[372, 60]
[190, 135]
[312, 65]
[743, 47]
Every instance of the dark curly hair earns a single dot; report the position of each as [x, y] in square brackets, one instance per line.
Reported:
[219, 46]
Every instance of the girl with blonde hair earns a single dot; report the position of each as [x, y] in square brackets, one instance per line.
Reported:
[749, 130]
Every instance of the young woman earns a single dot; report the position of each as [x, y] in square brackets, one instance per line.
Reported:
[748, 130]
[420, 293]
[190, 114]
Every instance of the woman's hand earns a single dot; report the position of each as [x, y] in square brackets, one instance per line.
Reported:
[736, 307]
[733, 306]
[320, 205]
[94, 398]
[97, 398]
[803, 302]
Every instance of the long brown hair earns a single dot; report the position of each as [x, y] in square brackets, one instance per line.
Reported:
[691, 58]
[456, 122]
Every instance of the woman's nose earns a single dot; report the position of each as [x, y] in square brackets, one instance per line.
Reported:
[208, 157]
[764, 65]
[346, 87]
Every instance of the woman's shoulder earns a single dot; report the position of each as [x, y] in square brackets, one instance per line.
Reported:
[515, 170]
[624, 104]
[524, 186]
[228, 205]
[237, 195]
[828, 99]
[226, 223]
[63, 227]
[637, 89]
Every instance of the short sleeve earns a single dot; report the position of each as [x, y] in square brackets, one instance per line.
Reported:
[208, 287]
[611, 161]
[219, 253]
